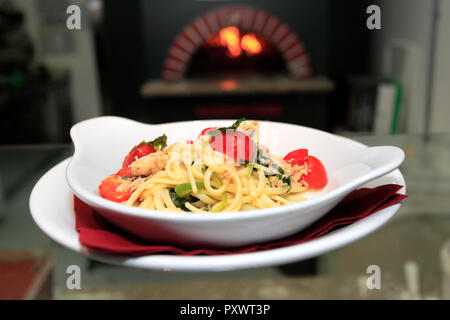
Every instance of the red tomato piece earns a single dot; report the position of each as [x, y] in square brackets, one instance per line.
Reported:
[296, 157]
[139, 151]
[204, 131]
[108, 189]
[125, 172]
[317, 175]
[236, 145]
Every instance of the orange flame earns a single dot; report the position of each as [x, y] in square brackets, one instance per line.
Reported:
[251, 44]
[230, 37]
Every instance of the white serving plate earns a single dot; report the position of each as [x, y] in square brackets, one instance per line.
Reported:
[51, 205]
[101, 144]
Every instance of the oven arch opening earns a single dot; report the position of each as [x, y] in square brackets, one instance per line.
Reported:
[237, 40]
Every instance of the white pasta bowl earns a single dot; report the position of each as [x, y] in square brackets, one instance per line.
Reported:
[102, 143]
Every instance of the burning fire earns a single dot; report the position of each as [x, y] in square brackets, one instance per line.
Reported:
[230, 37]
[251, 44]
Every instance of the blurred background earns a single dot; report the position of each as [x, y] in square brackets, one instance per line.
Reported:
[309, 62]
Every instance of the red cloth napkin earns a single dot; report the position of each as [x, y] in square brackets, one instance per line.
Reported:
[98, 235]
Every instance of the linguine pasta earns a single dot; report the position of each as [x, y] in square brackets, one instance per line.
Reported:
[210, 175]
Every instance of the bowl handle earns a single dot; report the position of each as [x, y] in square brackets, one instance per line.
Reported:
[384, 158]
[381, 161]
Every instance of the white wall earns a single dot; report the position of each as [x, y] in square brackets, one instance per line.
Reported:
[407, 23]
[440, 116]
[80, 63]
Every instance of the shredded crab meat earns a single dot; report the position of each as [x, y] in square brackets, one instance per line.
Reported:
[129, 184]
[150, 164]
[296, 172]
[276, 182]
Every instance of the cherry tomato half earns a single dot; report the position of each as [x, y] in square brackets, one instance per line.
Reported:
[137, 152]
[108, 189]
[296, 157]
[236, 145]
[125, 172]
[317, 175]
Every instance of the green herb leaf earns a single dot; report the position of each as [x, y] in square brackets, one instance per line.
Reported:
[132, 178]
[177, 201]
[159, 143]
[185, 189]
[234, 126]
[288, 181]
[222, 204]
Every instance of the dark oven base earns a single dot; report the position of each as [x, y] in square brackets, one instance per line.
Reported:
[305, 109]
